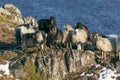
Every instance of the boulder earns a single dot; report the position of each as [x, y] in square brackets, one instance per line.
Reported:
[15, 13]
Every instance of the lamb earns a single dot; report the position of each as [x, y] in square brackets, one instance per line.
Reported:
[102, 44]
[24, 29]
[55, 36]
[37, 39]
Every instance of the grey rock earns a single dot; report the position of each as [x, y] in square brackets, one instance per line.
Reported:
[56, 64]
[87, 58]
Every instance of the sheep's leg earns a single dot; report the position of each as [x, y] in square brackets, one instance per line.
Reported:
[105, 55]
[70, 45]
[79, 47]
[82, 47]
[119, 55]
[102, 55]
[67, 45]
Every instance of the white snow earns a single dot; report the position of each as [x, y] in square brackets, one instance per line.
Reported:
[5, 68]
[105, 74]
[108, 74]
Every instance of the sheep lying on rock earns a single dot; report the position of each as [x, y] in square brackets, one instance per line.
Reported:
[24, 29]
[37, 39]
[103, 44]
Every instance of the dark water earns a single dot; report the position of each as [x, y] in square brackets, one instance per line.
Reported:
[98, 15]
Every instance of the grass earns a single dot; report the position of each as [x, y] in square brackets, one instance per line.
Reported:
[30, 69]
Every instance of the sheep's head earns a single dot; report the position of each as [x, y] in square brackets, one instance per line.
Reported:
[97, 36]
[52, 20]
[68, 27]
[78, 25]
[53, 29]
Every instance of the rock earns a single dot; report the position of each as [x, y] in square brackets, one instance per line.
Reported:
[7, 55]
[70, 61]
[4, 11]
[15, 13]
[12, 9]
[87, 58]
[53, 64]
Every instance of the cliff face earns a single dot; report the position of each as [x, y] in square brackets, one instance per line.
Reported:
[48, 64]
[53, 64]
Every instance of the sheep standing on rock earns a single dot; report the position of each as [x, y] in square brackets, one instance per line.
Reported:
[115, 41]
[79, 36]
[67, 35]
[24, 29]
[55, 36]
[103, 44]
[37, 39]
[75, 36]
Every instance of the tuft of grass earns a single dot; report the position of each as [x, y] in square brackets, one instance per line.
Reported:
[30, 69]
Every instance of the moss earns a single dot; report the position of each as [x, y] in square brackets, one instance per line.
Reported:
[3, 19]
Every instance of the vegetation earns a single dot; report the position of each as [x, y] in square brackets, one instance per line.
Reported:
[3, 19]
[30, 69]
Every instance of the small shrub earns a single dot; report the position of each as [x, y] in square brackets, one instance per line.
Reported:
[30, 69]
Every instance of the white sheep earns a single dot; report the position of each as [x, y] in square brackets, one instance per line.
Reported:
[79, 36]
[103, 44]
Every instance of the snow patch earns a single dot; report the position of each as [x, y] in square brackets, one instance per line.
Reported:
[5, 68]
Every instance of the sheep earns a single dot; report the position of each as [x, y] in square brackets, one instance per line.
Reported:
[79, 36]
[74, 36]
[115, 41]
[67, 34]
[37, 39]
[24, 29]
[103, 44]
[79, 25]
[44, 24]
[55, 36]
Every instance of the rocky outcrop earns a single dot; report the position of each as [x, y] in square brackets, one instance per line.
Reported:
[15, 13]
[53, 64]
[11, 17]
